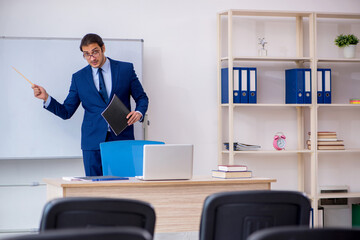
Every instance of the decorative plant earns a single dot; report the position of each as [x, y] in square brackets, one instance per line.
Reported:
[262, 42]
[346, 40]
[262, 51]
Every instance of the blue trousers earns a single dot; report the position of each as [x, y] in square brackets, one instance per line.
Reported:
[92, 159]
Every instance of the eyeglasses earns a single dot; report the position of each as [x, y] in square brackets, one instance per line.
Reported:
[94, 54]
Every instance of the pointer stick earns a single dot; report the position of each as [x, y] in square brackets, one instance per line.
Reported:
[23, 76]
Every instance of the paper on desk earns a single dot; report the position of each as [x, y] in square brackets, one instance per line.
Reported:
[95, 178]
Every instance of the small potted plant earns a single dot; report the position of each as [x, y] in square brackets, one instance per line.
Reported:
[348, 42]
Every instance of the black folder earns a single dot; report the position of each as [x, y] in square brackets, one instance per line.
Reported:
[115, 115]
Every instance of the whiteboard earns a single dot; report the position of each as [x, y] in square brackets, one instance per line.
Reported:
[27, 129]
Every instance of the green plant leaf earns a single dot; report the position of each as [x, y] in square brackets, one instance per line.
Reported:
[345, 40]
[353, 39]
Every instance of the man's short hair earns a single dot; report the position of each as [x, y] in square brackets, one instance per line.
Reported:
[91, 38]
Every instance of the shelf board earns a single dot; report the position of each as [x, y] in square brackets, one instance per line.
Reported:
[353, 150]
[339, 60]
[266, 105]
[338, 15]
[270, 151]
[293, 59]
[259, 13]
[339, 195]
[269, 59]
[332, 105]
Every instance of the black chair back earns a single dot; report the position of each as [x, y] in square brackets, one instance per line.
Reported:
[303, 233]
[86, 212]
[235, 215]
[107, 233]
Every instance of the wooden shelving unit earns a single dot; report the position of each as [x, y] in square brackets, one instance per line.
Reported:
[306, 27]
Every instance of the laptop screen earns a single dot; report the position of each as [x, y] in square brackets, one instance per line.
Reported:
[168, 162]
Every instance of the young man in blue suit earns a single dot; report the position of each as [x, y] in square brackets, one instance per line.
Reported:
[94, 86]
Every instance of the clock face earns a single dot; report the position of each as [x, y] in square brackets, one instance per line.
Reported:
[281, 143]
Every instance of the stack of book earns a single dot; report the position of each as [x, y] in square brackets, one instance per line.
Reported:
[354, 101]
[327, 141]
[232, 171]
[242, 147]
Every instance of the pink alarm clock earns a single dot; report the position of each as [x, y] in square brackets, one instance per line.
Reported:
[279, 141]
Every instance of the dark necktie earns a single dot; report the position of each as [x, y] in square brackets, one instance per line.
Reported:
[102, 87]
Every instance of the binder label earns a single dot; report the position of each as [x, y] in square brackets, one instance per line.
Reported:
[244, 86]
[236, 80]
[252, 81]
[236, 98]
[243, 80]
[307, 81]
[327, 81]
[320, 93]
[319, 81]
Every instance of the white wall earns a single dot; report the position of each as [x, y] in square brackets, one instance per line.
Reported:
[23, 193]
[179, 52]
[179, 59]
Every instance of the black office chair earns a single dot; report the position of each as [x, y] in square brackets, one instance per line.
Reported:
[303, 233]
[81, 212]
[235, 215]
[104, 233]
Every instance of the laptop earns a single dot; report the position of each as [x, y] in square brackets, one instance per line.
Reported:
[167, 162]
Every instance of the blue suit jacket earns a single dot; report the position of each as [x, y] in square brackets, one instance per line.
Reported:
[82, 90]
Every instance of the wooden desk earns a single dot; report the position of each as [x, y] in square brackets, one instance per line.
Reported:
[178, 204]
